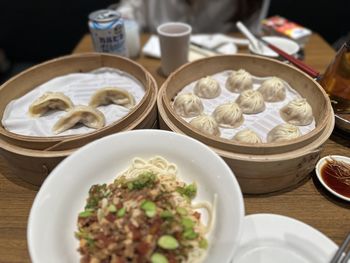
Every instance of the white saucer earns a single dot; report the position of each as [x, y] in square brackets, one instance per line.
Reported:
[285, 44]
[319, 165]
[269, 238]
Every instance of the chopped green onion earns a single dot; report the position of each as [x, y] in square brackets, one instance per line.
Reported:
[149, 207]
[111, 208]
[187, 223]
[86, 213]
[203, 243]
[182, 211]
[189, 191]
[90, 242]
[168, 242]
[146, 179]
[166, 214]
[190, 234]
[121, 212]
[158, 258]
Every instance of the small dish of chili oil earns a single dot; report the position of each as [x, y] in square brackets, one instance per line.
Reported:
[333, 171]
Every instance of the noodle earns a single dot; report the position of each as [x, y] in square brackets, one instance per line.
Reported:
[145, 206]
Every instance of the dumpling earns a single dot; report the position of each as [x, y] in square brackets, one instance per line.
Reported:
[283, 132]
[251, 102]
[247, 136]
[188, 105]
[297, 112]
[112, 95]
[206, 124]
[228, 115]
[239, 81]
[50, 101]
[207, 88]
[273, 90]
[86, 115]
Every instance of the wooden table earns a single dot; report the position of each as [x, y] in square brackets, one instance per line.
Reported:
[309, 202]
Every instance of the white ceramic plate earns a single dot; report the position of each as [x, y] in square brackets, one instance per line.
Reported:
[287, 45]
[269, 238]
[318, 168]
[53, 217]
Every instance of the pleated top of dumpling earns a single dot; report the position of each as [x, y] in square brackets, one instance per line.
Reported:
[283, 132]
[50, 101]
[247, 136]
[188, 105]
[206, 124]
[273, 90]
[239, 81]
[228, 115]
[251, 102]
[297, 112]
[207, 88]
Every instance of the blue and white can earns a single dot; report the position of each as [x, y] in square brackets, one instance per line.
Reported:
[108, 32]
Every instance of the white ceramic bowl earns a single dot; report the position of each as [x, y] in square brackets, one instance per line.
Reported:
[53, 217]
[318, 168]
[287, 45]
[270, 238]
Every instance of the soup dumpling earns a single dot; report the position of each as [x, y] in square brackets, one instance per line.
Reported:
[239, 81]
[207, 88]
[297, 112]
[247, 136]
[283, 132]
[112, 95]
[251, 102]
[87, 115]
[228, 115]
[188, 105]
[273, 90]
[206, 124]
[50, 101]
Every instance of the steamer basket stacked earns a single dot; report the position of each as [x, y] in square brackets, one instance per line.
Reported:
[259, 168]
[32, 158]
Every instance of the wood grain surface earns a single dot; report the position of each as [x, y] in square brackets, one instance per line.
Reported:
[309, 202]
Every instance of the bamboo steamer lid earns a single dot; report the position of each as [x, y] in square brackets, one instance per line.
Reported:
[31, 78]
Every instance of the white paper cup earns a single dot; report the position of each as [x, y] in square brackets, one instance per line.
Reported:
[174, 38]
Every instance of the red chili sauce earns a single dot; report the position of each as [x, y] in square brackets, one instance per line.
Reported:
[328, 173]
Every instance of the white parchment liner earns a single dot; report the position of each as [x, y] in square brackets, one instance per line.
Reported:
[79, 87]
[262, 122]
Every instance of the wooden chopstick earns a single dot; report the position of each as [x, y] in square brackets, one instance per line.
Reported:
[341, 250]
[296, 62]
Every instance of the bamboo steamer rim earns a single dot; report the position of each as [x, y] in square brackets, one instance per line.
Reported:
[313, 147]
[150, 95]
[226, 143]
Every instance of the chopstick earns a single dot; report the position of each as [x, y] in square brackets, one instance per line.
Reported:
[341, 250]
[296, 62]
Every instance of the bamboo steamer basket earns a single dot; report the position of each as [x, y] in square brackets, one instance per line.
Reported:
[264, 168]
[31, 78]
[33, 158]
[257, 66]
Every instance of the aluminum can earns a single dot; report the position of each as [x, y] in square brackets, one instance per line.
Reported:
[108, 32]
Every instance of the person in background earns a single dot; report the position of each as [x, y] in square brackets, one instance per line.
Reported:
[205, 16]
